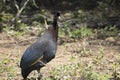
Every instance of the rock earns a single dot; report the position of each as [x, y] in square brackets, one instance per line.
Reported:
[110, 39]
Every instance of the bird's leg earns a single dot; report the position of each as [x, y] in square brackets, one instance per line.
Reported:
[39, 74]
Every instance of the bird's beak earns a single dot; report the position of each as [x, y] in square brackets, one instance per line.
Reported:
[59, 18]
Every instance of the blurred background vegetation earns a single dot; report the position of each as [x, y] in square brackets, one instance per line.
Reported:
[15, 14]
[22, 15]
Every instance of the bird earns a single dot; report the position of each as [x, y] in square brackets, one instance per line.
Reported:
[38, 54]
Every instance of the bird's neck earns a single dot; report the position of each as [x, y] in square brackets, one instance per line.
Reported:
[55, 34]
[54, 30]
[55, 24]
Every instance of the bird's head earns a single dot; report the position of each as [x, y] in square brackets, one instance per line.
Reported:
[56, 15]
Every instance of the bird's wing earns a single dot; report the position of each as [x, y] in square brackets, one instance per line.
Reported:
[33, 53]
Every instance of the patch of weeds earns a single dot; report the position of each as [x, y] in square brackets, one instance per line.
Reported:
[39, 32]
[76, 32]
[78, 71]
[115, 68]
[81, 33]
[20, 32]
[6, 20]
[108, 31]
[64, 72]
[7, 70]
[87, 73]
[72, 58]
[86, 32]
[37, 28]
[8, 31]
[61, 32]
[85, 53]
[99, 56]
[11, 32]
[103, 4]
[21, 27]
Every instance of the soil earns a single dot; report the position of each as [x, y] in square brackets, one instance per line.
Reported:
[67, 53]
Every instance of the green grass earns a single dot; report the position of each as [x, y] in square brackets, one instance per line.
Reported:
[6, 69]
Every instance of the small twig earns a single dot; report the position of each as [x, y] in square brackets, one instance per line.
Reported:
[16, 5]
[35, 4]
[19, 10]
[23, 6]
[90, 64]
[69, 20]
[46, 25]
